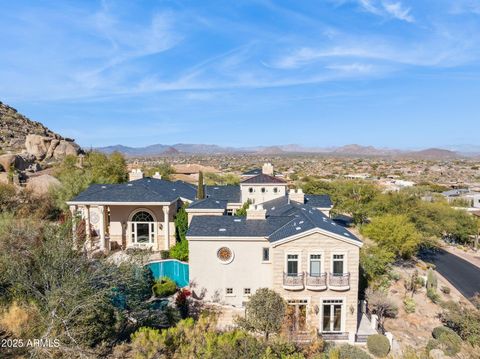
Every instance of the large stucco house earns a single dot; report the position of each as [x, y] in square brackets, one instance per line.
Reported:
[286, 242]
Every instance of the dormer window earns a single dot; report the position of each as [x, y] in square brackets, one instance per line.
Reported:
[250, 190]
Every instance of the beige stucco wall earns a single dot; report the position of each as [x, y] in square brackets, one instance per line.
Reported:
[327, 246]
[245, 271]
[257, 196]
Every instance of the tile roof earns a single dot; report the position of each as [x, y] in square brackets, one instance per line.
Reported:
[142, 190]
[318, 200]
[208, 203]
[230, 193]
[253, 172]
[263, 178]
[283, 219]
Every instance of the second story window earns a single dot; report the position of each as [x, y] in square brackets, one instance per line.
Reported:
[263, 190]
[338, 264]
[315, 265]
[292, 264]
[250, 190]
[229, 291]
[265, 254]
[275, 189]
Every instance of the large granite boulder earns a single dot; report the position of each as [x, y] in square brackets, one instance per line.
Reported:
[44, 148]
[38, 145]
[19, 162]
[65, 148]
[42, 184]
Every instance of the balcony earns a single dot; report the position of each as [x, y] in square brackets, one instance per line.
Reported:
[293, 281]
[339, 281]
[317, 282]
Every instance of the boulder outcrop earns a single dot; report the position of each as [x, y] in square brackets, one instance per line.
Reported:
[44, 148]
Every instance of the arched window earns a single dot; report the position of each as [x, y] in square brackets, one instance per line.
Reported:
[263, 190]
[142, 216]
[250, 190]
[143, 227]
[275, 189]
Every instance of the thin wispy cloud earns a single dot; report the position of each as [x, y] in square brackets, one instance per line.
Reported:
[393, 9]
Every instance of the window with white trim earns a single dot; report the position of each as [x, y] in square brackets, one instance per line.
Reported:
[338, 264]
[247, 291]
[229, 291]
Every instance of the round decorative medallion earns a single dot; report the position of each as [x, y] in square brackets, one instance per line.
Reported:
[225, 255]
[94, 218]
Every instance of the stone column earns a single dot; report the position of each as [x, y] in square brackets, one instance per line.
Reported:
[102, 227]
[166, 227]
[73, 211]
[88, 228]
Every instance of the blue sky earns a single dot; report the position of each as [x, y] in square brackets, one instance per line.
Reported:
[389, 73]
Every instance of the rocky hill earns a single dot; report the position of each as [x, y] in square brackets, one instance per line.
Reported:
[27, 144]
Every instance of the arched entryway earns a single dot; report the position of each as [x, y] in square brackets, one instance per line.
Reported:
[143, 227]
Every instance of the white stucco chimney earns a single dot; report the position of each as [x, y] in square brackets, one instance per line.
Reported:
[135, 174]
[256, 211]
[267, 169]
[296, 195]
[157, 175]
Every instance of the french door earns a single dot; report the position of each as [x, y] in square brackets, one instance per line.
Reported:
[332, 316]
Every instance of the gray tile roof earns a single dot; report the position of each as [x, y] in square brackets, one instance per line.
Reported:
[208, 203]
[318, 200]
[141, 190]
[253, 172]
[230, 193]
[233, 226]
[283, 220]
[263, 178]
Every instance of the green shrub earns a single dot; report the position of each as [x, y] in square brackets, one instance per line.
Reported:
[409, 305]
[433, 295]
[438, 331]
[445, 289]
[432, 344]
[180, 250]
[420, 281]
[447, 340]
[164, 287]
[395, 276]
[164, 254]
[431, 279]
[347, 351]
[378, 345]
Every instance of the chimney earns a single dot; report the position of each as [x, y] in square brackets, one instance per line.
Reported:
[256, 211]
[267, 169]
[157, 175]
[296, 195]
[135, 174]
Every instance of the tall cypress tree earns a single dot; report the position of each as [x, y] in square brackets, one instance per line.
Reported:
[200, 189]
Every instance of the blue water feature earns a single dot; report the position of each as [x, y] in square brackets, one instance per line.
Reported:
[171, 268]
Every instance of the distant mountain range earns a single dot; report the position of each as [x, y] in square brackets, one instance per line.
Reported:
[347, 150]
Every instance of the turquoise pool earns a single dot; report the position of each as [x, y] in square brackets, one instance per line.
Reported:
[171, 268]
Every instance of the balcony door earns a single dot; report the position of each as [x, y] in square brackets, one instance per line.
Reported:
[332, 316]
[292, 265]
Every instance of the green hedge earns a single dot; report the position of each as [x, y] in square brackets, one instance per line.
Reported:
[164, 287]
[378, 345]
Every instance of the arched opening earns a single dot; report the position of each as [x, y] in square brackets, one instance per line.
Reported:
[142, 227]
